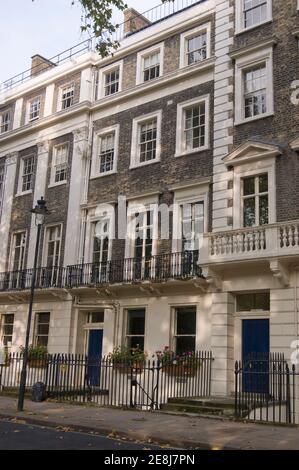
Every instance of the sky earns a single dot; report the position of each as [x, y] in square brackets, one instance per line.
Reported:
[44, 27]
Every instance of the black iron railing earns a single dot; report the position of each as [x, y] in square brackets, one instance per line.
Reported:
[78, 378]
[129, 270]
[265, 389]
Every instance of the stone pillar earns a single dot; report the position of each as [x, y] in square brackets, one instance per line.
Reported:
[39, 191]
[80, 155]
[223, 115]
[18, 113]
[222, 343]
[5, 214]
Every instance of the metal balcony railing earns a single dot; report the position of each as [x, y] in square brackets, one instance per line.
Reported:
[124, 271]
[154, 15]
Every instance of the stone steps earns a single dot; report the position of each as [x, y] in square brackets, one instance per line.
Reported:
[217, 407]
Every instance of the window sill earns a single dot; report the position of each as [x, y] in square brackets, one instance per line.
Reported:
[191, 152]
[24, 193]
[101, 175]
[140, 165]
[60, 183]
[252, 119]
[244, 30]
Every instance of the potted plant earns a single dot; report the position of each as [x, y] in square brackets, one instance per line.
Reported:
[37, 356]
[126, 359]
[184, 365]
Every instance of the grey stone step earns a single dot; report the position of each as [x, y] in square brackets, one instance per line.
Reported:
[198, 409]
[205, 402]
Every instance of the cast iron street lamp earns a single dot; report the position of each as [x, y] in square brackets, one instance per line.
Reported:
[40, 212]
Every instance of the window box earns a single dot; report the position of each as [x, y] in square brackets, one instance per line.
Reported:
[179, 370]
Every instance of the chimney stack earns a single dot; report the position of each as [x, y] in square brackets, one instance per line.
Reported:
[39, 64]
[134, 21]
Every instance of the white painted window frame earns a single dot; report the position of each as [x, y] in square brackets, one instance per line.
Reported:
[240, 28]
[125, 334]
[142, 55]
[28, 109]
[60, 94]
[189, 35]
[46, 243]
[254, 169]
[2, 184]
[101, 80]
[53, 165]
[20, 192]
[137, 122]
[180, 141]
[2, 325]
[8, 112]
[106, 213]
[187, 195]
[36, 326]
[13, 246]
[246, 62]
[95, 164]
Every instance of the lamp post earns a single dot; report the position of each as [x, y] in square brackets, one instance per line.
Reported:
[40, 212]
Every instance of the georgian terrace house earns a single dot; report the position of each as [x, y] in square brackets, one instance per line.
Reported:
[193, 110]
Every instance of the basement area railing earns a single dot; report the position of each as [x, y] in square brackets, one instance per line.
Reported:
[143, 385]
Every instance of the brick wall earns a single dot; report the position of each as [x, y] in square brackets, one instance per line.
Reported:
[283, 127]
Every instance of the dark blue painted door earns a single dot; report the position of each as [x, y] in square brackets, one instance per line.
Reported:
[255, 354]
[95, 343]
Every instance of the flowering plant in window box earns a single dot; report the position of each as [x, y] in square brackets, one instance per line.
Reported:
[37, 356]
[179, 365]
[126, 359]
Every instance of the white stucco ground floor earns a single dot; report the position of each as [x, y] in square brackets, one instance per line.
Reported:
[238, 311]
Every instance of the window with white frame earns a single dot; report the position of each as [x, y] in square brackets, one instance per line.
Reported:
[135, 328]
[254, 86]
[2, 175]
[105, 152]
[192, 224]
[111, 85]
[253, 301]
[7, 321]
[107, 144]
[185, 330]
[5, 122]
[251, 13]
[144, 222]
[67, 96]
[26, 173]
[150, 63]
[255, 91]
[255, 200]
[146, 140]
[60, 163]
[195, 45]
[52, 246]
[101, 244]
[18, 248]
[34, 109]
[42, 329]
[192, 126]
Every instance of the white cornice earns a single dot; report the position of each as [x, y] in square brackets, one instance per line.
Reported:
[252, 48]
[251, 151]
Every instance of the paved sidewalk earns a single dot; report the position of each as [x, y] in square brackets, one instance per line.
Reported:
[177, 431]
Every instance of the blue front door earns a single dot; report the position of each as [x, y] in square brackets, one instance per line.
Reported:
[95, 343]
[255, 354]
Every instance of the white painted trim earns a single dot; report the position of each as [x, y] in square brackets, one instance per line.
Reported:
[12, 248]
[70, 85]
[246, 62]
[239, 24]
[21, 170]
[101, 83]
[193, 33]
[134, 163]
[140, 61]
[28, 105]
[188, 195]
[54, 154]
[45, 245]
[243, 171]
[180, 151]
[95, 170]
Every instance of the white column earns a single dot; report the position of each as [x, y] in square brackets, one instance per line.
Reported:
[48, 109]
[18, 113]
[5, 215]
[222, 343]
[72, 237]
[223, 112]
[39, 191]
